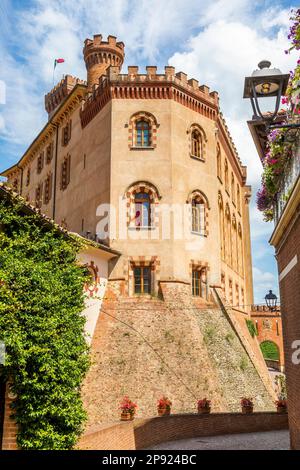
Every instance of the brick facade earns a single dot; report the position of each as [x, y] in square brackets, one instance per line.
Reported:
[269, 328]
[287, 249]
[144, 433]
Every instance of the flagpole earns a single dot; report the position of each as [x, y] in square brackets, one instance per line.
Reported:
[54, 70]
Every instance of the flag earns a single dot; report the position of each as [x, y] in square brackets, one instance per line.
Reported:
[58, 61]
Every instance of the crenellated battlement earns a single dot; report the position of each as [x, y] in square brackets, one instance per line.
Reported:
[99, 55]
[170, 76]
[97, 42]
[58, 93]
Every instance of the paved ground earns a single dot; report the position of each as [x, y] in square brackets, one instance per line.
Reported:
[273, 440]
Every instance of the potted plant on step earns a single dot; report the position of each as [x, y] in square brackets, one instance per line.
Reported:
[204, 406]
[164, 406]
[281, 405]
[247, 405]
[127, 408]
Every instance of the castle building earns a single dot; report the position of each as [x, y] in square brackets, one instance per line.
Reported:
[144, 164]
[151, 150]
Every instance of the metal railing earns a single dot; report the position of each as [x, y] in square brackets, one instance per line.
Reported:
[289, 178]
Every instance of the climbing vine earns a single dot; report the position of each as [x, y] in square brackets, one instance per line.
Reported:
[41, 297]
[252, 328]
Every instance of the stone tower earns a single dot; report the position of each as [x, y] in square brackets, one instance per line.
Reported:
[99, 55]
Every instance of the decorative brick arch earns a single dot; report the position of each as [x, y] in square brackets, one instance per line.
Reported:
[154, 196]
[196, 127]
[153, 124]
[198, 195]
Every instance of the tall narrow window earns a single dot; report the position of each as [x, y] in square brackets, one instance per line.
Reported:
[142, 280]
[196, 144]
[40, 162]
[232, 188]
[142, 210]
[237, 296]
[66, 133]
[28, 177]
[65, 172]
[198, 216]
[48, 189]
[143, 133]
[219, 163]
[199, 283]
[238, 198]
[49, 153]
[39, 196]
[226, 176]
[230, 292]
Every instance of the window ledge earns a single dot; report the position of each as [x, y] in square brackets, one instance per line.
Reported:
[141, 228]
[198, 233]
[135, 147]
[200, 159]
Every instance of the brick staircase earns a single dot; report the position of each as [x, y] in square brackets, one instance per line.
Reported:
[146, 347]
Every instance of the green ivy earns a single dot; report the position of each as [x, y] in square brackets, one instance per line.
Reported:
[252, 328]
[41, 300]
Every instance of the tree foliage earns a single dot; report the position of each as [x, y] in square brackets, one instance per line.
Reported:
[252, 328]
[270, 350]
[41, 300]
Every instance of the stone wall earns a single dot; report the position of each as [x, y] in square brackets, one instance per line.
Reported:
[146, 348]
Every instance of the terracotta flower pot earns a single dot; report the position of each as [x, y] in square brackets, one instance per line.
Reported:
[247, 410]
[125, 416]
[204, 411]
[164, 411]
[281, 409]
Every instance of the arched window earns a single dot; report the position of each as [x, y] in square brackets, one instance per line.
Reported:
[228, 237]
[226, 175]
[196, 144]
[219, 163]
[142, 201]
[198, 215]
[142, 207]
[222, 227]
[232, 188]
[235, 257]
[238, 197]
[240, 251]
[142, 133]
[199, 282]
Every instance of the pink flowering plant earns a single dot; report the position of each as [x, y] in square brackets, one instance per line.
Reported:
[281, 403]
[204, 403]
[164, 403]
[279, 150]
[292, 98]
[127, 405]
[247, 402]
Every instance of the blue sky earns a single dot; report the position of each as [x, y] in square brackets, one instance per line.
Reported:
[216, 42]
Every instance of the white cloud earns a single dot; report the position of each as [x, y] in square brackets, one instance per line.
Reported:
[264, 281]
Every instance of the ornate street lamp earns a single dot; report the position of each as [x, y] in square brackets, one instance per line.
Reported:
[266, 83]
[271, 300]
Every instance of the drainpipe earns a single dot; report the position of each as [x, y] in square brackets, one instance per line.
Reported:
[55, 171]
